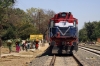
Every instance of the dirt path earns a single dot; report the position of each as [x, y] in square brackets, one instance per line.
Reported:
[22, 58]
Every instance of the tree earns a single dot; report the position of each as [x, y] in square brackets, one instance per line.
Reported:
[89, 28]
[92, 31]
[40, 18]
[4, 4]
[97, 30]
[83, 35]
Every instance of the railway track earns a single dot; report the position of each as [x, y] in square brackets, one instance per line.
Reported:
[91, 50]
[95, 47]
[88, 57]
[62, 61]
[53, 61]
[67, 60]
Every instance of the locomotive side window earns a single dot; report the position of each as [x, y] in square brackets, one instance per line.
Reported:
[74, 23]
[52, 23]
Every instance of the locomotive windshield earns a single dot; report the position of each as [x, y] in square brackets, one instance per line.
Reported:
[63, 14]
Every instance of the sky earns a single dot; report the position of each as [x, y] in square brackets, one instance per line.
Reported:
[83, 10]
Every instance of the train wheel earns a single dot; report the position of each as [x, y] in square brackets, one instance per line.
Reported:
[71, 49]
[51, 47]
[75, 49]
[50, 50]
[75, 46]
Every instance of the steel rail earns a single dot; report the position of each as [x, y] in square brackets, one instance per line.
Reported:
[93, 50]
[52, 61]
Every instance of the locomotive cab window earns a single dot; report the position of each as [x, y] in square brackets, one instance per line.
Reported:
[63, 14]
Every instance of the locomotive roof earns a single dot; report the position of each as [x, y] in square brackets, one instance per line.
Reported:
[69, 17]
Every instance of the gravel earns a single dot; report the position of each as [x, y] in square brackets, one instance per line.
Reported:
[39, 61]
[88, 58]
[97, 47]
[85, 57]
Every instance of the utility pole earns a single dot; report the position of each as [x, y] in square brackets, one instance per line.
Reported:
[39, 21]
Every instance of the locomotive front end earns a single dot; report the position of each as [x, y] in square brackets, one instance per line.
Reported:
[63, 34]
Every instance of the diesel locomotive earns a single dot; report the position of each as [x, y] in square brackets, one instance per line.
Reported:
[63, 33]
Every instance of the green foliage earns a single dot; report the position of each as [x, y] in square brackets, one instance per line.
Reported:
[82, 35]
[10, 34]
[40, 17]
[89, 28]
[16, 23]
[90, 32]
[5, 3]
[97, 30]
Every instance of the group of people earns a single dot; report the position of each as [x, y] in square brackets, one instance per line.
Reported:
[24, 45]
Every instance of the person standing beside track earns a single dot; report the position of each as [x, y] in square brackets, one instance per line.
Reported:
[36, 41]
[9, 44]
[33, 44]
[17, 46]
[26, 45]
[23, 45]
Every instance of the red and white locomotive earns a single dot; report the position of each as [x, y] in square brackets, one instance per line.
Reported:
[63, 33]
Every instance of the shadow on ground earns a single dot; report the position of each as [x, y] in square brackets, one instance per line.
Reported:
[48, 52]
